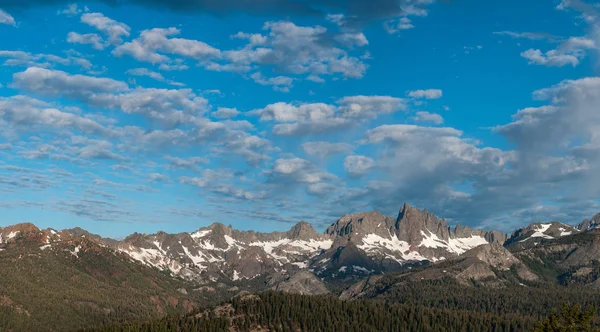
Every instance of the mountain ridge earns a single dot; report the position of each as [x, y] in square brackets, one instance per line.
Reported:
[354, 245]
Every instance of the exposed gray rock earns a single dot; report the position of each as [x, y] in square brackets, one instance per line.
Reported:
[589, 224]
[303, 282]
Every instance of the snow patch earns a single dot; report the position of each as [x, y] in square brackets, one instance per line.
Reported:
[236, 276]
[539, 232]
[361, 269]
[12, 235]
[461, 245]
[302, 265]
[375, 244]
[200, 234]
[44, 247]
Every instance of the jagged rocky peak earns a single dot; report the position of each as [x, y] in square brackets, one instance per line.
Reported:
[303, 231]
[589, 224]
[358, 227]
[413, 224]
[495, 237]
[364, 223]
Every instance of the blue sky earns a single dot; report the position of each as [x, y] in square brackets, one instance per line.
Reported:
[169, 116]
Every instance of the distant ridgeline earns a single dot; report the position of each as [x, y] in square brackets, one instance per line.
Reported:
[66, 280]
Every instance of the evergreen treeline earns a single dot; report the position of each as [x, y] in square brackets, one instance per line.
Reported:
[530, 301]
[274, 311]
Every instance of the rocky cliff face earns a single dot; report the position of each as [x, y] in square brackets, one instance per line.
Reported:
[384, 244]
[300, 283]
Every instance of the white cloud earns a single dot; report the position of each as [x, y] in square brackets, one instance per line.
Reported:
[225, 113]
[189, 163]
[426, 94]
[401, 24]
[167, 106]
[113, 29]
[26, 59]
[56, 82]
[71, 10]
[570, 52]
[89, 38]
[529, 35]
[284, 112]
[364, 107]
[326, 149]
[6, 18]
[157, 177]
[289, 172]
[320, 117]
[299, 50]
[428, 117]
[153, 75]
[358, 165]
[279, 83]
[147, 46]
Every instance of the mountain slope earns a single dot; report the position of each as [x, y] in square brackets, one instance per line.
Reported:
[76, 283]
[572, 259]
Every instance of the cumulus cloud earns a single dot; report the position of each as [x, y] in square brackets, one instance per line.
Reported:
[189, 163]
[299, 50]
[570, 52]
[395, 26]
[326, 149]
[26, 59]
[279, 83]
[167, 106]
[296, 171]
[21, 112]
[6, 18]
[71, 10]
[358, 165]
[428, 117]
[426, 94]
[357, 13]
[296, 120]
[89, 38]
[156, 45]
[111, 28]
[225, 113]
[153, 75]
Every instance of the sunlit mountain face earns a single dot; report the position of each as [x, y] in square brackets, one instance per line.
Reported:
[140, 116]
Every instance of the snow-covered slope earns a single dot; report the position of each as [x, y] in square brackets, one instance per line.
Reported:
[537, 232]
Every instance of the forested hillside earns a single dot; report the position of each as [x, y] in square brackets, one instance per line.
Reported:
[78, 284]
[272, 311]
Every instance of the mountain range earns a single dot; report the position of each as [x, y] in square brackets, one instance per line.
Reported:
[187, 270]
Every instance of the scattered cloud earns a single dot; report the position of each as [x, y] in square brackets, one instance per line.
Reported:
[326, 149]
[428, 117]
[426, 94]
[89, 38]
[358, 166]
[114, 30]
[6, 18]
